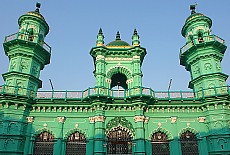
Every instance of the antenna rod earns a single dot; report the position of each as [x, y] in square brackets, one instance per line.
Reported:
[51, 84]
[170, 82]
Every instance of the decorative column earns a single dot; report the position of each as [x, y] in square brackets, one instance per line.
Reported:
[148, 143]
[202, 144]
[90, 140]
[99, 133]
[59, 138]
[175, 143]
[28, 148]
[140, 135]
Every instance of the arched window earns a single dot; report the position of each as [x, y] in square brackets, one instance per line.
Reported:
[160, 144]
[76, 144]
[44, 144]
[189, 144]
[119, 80]
[119, 142]
[200, 36]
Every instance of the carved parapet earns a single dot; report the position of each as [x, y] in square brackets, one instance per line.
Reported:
[201, 119]
[173, 119]
[61, 119]
[139, 118]
[30, 119]
[99, 118]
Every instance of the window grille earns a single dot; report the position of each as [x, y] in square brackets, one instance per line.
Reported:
[189, 144]
[119, 142]
[160, 144]
[76, 144]
[44, 144]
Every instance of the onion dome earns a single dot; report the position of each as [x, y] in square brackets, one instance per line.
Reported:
[195, 17]
[118, 42]
[34, 15]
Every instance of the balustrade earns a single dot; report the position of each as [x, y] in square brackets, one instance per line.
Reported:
[204, 39]
[116, 94]
[30, 38]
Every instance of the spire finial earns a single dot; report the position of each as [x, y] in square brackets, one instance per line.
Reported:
[135, 38]
[100, 38]
[193, 8]
[135, 32]
[38, 5]
[118, 37]
[100, 31]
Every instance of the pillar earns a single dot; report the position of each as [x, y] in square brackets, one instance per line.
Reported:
[58, 145]
[28, 143]
[175, 148]
[99, 133]
[90, 140]
[140, 135]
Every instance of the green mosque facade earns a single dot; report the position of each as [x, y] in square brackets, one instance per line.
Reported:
[118, 115]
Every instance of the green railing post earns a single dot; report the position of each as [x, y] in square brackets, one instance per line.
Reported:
[181, 95]
[168, 94]
[16, 90]
[52, 95]
[66, 95]
[216, 93]
[202, 92]
[141, 90]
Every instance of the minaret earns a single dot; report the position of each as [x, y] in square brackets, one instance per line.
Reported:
[202, 55]
[28, 54]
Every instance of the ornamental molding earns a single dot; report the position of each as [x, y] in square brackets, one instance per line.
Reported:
[118, 59]
[91, 119]
[120, 122]
[139, 118]
[173, 119]
[201, 119]
[30, 119]
[99, 118]
[61, 119]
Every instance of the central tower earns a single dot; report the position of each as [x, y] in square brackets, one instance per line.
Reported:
[118, 63]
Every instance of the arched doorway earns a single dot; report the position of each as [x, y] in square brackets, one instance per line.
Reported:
[160, 144]
[76, 144]
[44, 144]
[119, 142]
[189, 144]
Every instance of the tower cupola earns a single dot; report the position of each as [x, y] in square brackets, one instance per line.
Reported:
[118, 63]
[27, 52]
[202, 54]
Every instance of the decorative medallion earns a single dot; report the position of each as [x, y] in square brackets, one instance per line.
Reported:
[201, 119]
[30, 119]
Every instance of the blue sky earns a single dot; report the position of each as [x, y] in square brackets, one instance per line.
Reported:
[74, 25]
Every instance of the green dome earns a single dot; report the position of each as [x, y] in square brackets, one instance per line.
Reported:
[194, 17]
[118, 43]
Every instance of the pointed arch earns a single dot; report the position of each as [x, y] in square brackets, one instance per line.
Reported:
[163, 130]
[120, 122]
[68, 133]
[44, 142]
[192, 130]
[119, 69]
[39, 131]
[75, 142]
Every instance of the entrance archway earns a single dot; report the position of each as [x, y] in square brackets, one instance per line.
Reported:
[160, 144]
[119, 142]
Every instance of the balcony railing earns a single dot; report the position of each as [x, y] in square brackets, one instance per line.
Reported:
[196, 41]
[29, 38]
[115, 94]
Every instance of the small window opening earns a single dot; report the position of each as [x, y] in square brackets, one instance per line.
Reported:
[119, 80]
[200, 37]
[222, 146]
